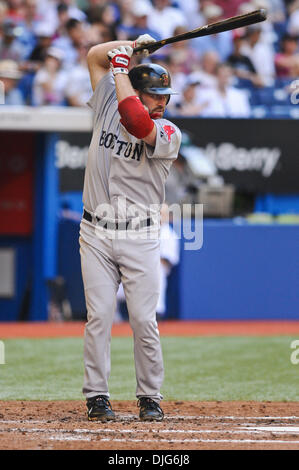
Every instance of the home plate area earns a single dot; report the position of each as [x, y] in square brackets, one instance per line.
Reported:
[187, 425]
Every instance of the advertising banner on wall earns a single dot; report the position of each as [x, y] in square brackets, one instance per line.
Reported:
[258, 156]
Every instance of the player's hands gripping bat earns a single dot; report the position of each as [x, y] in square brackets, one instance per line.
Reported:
[142, 41]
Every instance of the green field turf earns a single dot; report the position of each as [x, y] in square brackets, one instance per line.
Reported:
[196, 368]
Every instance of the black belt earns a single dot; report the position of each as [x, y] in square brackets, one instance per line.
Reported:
[123, 225]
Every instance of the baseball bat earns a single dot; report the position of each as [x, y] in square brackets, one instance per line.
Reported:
[235, 22]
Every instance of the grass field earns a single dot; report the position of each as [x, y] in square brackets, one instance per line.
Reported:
[196, 368]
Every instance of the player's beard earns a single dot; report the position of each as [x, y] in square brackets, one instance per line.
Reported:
[157, 113]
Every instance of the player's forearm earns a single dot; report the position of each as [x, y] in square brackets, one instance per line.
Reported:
[123, 87]
[98, 54]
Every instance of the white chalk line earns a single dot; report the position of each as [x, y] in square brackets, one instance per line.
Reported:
[69, 438]
[176, 441]
[182, 441]
[276, 429]
[178, 418]
[86, 435]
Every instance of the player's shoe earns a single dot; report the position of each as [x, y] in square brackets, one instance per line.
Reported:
[99, 409]
[150, 410]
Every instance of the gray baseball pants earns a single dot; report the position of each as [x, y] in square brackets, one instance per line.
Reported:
[136, 263]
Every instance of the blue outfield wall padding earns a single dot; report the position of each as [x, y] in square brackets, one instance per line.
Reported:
[69, 265]
[45, 237]
[241, 272]
[71, 200]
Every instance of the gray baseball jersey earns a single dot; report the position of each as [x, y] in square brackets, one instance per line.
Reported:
[121, 165]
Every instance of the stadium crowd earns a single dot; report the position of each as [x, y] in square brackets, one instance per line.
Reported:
[44, 43]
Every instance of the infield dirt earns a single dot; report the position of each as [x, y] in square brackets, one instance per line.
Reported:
[187, 425]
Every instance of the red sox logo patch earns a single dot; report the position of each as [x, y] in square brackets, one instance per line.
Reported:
[169, 131]
[165, 79]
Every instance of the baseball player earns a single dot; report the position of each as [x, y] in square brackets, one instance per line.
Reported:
[130, 154]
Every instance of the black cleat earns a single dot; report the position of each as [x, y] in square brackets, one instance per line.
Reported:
[99, 409]
[149, 410]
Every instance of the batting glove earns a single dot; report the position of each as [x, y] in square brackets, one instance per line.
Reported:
[120, 59]
[142, 41]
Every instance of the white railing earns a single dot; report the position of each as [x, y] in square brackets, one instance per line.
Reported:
[45, 118]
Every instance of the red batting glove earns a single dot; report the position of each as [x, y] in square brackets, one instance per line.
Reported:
[120, 59]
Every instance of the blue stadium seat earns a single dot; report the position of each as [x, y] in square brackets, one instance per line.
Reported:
[271, 96]
[261, 112]
[280, 30]
[266, 95]
[281, 112]
[282, 82]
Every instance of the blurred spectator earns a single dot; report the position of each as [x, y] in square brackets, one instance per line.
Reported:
[9, 76]
[10, 46]
[206, 74]
[15, 10]
[74, 38]
[73, 11]
[140, 13]
[98, 33]
[164, 18]
[47, 12]
[190, 9]
[183, 53]
[293, 24]
[230, 8]
[276, 10]
[188, 104]
[287, 61]
[241, 64]
[33, 63]
[78, 90]
[44, 33]
[220, 43]
[224, 100]
[106, 13]
[29, 24]
[50, 82]
[178, 79]
[260, 53]
[96, 10]
[268, 35]
[126, 11]
[198, 19]
[3, 12]
[62, 19]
